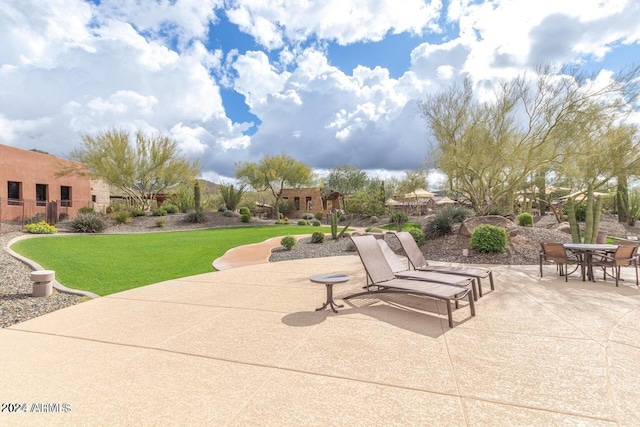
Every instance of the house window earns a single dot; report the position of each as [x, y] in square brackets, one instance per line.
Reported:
[65, 196]
[296, 203]
[14, 193]
[41, 194]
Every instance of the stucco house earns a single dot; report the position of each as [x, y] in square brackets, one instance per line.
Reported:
[309, 200]
[29, 185]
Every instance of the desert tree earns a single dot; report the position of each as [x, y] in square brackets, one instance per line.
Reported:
[490, 142]
[274, 173]
[345, 180]
[141, 166]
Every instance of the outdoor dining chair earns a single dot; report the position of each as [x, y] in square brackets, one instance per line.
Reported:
[557, 254]
[625, 256]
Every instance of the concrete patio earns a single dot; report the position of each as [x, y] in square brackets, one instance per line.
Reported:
[245, 347]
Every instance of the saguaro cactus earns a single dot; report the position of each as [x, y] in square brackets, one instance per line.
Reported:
[196, 196]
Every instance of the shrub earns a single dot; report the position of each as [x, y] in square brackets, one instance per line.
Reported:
[525, 219]
[489, 238]
[373, 219]
[40, 227]
[288, 242]
[87, 223]
[63, 216]
[195, 217]
[282, 222]
[417, 235]
[222, 208]
[122, 217]
[245, 210]
[458, 213]
[443, 220]
[109, 209]
[319, 216]
[245, 217]
[161, 222]
[138, 212]
[398, 218]
[308, 216]
[315, 223]
[171, 209]
[317, 237]
[85, 210]
[581, 211]
[303, 222]
[373, 229]
[343, 218]
[228, 213]
[159, 212]
[35, 219]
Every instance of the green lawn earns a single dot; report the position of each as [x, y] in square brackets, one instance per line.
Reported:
[106, 264]
[405, 227]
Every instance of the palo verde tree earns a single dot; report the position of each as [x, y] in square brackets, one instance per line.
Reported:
[411, 183]
[274, 173]
[489, 143]
[140, 167]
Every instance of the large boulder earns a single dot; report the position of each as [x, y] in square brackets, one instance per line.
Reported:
[467, 227]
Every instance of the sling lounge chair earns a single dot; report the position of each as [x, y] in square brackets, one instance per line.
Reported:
[420, 263]
[401, 271]
[383, 279]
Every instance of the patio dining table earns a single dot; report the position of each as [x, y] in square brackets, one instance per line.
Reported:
[585, 253]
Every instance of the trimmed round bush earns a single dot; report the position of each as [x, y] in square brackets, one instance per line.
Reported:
[317, 237]
[228, 213]
[245, 217]
[222, 208]
[171, 209]
[525, 219]
[288, 242]
[159, 212]
[244, 210]
[87, 223]
[85, 210]
[489, 238]
[41, 227]
[303, 222]
[373, 219]
[418, 235]
[308, 216]
[63, 216]
[315, 223]
[319, 216]
[138, 212]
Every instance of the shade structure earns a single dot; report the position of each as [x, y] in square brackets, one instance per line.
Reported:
[419, 194]
[445, 201]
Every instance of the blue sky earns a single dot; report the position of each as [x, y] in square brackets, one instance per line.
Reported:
[329, 83]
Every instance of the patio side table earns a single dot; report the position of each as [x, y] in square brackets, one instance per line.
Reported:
[329, 280]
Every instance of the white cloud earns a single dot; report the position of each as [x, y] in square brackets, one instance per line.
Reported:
[343, 21]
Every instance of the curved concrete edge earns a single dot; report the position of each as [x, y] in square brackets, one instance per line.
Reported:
[254, 253]
[35, 266]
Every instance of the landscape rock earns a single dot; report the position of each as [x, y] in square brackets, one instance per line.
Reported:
[467, 227]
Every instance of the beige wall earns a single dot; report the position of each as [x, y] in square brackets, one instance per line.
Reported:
[30, 168]
[304, 195]
[100, 195]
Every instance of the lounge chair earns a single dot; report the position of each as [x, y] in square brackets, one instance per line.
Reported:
[401, 271]
[382, 277]
[420, 263]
